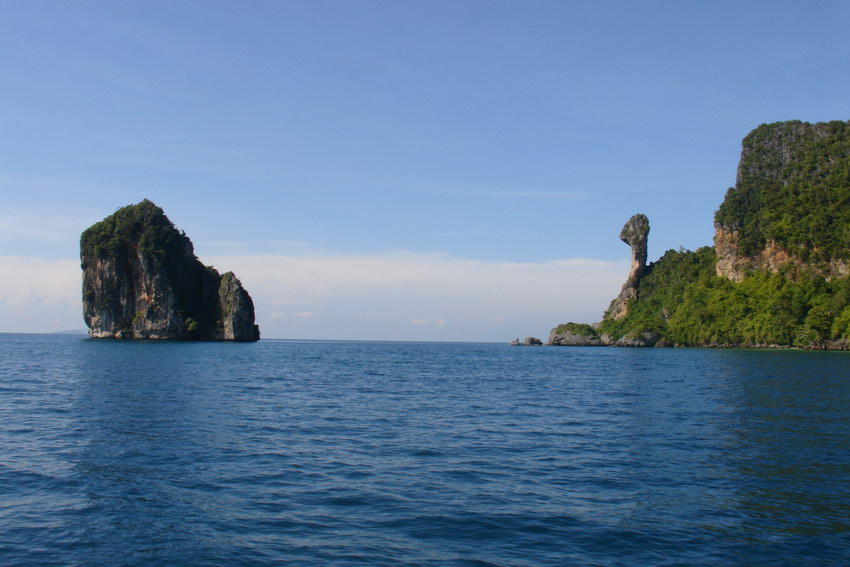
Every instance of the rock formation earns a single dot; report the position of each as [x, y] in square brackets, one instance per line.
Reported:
[141, 280]
[734, 265]
[778, 275]
[635, 233]
[638, 339]
[574, 334]
[789, 203]
[529, 341]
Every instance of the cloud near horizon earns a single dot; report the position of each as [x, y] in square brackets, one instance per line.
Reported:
[385, 296]
[420, 296]
[39, 295]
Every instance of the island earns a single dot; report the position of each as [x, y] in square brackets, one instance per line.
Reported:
[778, 275]
[142, 280]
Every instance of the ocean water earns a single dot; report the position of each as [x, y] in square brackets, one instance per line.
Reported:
[368, 453]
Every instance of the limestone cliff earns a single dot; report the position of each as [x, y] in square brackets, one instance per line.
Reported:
[635, 233]
[237, 310]
[141, 280]
[778, 275]
[790, 202]
[735, 265]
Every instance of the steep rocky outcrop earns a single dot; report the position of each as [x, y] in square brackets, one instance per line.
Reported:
[635, 233]
[789, 204]
[141, 280]
[778, 275]
[237, 310]
[734, 265]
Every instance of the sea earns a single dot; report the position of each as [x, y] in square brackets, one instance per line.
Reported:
[400, 453]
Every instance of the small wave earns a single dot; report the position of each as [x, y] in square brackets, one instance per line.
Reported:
[427, 453]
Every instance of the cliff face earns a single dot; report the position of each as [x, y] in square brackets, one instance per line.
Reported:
[778, 275]
[635, 233]
[237, 310]
[734, 265]
[790, 203]
[141, 280]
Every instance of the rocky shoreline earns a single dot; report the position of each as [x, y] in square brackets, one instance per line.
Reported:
[778, 273]
[651, 340]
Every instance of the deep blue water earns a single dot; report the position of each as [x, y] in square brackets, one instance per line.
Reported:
[346, 453]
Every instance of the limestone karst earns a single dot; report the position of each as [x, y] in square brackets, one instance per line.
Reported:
[141, 280]
[635, 233]
[778, 274]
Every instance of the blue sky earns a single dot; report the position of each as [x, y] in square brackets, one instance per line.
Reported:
[302, 142]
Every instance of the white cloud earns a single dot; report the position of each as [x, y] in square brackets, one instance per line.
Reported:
[422, 296]
[38, 295]
[392, 295]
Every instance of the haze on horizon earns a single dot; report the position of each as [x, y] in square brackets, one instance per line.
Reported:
[384, 170]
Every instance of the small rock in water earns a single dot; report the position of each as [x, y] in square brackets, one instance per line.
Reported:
[529, 341]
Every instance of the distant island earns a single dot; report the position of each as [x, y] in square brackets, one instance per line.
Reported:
[778, 274]
[141, 280]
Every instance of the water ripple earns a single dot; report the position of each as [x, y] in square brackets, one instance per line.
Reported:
[308, 453]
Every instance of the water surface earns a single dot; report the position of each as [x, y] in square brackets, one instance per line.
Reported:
[353, 453]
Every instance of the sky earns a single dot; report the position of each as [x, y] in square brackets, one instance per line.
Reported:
[384, 170]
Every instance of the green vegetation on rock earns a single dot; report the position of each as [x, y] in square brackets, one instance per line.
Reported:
[141, 279]
[144, 223]
[779, 275]
[685, 302]
[793, 188]
[580, 329]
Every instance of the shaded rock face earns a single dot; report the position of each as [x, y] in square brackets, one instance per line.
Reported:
[635, 233]
[141, 280]
[237, 310]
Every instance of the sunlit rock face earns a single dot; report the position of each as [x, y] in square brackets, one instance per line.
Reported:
[635, 233]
